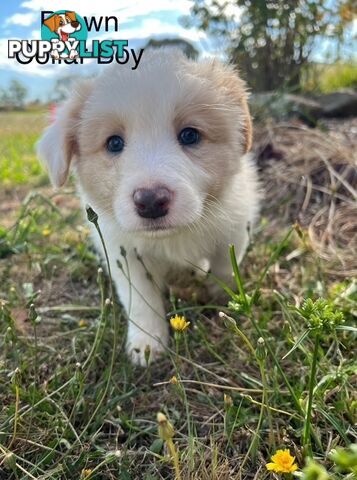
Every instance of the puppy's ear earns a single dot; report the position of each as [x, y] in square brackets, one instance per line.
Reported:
[235, 88]
[59, 143]
[71, 15]
[50, 22]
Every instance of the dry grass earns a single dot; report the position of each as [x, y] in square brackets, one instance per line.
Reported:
[310, 177]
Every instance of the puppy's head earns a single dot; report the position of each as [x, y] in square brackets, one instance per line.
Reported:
[152, 147]
[63, 24]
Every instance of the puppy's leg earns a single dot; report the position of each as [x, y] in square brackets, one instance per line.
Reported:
[55, 54]
[140, 292]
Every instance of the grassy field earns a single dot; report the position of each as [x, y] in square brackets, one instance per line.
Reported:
[275, 370]
[324, 78]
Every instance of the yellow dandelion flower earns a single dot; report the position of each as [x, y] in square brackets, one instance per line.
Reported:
[86, 472]
[46, 232]
[82, 323]
[179, 324]
[173, 380]
[282, 462]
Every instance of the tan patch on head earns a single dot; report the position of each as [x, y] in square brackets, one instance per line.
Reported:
[227, 82]
[209, 119]
[71, 15]
[52, 22]
[95, 130]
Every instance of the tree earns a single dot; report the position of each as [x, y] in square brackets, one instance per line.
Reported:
[271, 40]
[17, 93]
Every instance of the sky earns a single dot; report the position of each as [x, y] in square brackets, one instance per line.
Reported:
[139, 20]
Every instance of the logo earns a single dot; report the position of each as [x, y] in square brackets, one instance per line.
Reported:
[64, 38]
[64, 30]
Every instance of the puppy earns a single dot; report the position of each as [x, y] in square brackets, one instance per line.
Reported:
[63, 24]
[160, 155]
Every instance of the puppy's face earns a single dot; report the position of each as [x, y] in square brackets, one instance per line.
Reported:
[154, 147]
[63, 24]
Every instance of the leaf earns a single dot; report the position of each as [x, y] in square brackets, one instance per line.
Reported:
[332, 420]
[298, 342]
[348, 328]
[156, 446]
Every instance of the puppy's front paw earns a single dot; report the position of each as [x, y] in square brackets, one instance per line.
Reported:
[143, 347]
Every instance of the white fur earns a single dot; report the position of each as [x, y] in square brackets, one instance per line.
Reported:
[142, 107]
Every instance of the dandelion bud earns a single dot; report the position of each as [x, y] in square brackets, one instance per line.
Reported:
[122, 251]
[166, 430]
[228, 401]
[107, 305]
[16, 377]
[79, 375]
[229, 322]
[260, 351]
[10, 461]
[147, 354]
[9, 335]
[91, 214]
[33, 317]
[100, 276]
[120, 265]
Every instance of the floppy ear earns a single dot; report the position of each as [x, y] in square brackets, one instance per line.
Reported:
[71, 15]
[50, 22]
[59, 143]
[229, 80]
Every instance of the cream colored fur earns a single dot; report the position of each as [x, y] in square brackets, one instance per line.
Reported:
[214, 183]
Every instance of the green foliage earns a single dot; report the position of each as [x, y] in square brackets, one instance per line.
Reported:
[345, 466]
[271, 41]
[320, 315]
[326, 78]
[13, 96]
[19, 132]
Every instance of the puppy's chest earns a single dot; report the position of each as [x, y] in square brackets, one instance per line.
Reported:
[181, 251]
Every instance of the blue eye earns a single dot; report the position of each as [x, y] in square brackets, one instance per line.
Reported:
[115, 144]
[189, 136]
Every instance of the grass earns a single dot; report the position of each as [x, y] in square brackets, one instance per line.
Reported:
[270, 372]
[326, 78]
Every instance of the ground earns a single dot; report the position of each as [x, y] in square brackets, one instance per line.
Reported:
[72, 406]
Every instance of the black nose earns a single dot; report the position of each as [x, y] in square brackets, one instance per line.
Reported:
[152, 202]
[74, 24]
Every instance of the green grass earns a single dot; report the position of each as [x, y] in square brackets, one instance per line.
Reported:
[329, 78]
[18, 134]
[71, 404]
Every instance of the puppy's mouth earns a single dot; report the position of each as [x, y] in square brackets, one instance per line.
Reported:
[157, 228]
[64, 36]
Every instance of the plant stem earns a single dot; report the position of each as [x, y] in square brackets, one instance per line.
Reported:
[175, 459]
[261, 413]
[307, 427]
[17, 402]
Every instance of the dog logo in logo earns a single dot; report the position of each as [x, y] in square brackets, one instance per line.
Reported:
[63, 27]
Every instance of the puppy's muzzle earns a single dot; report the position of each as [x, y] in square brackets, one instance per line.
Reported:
[152, 202]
